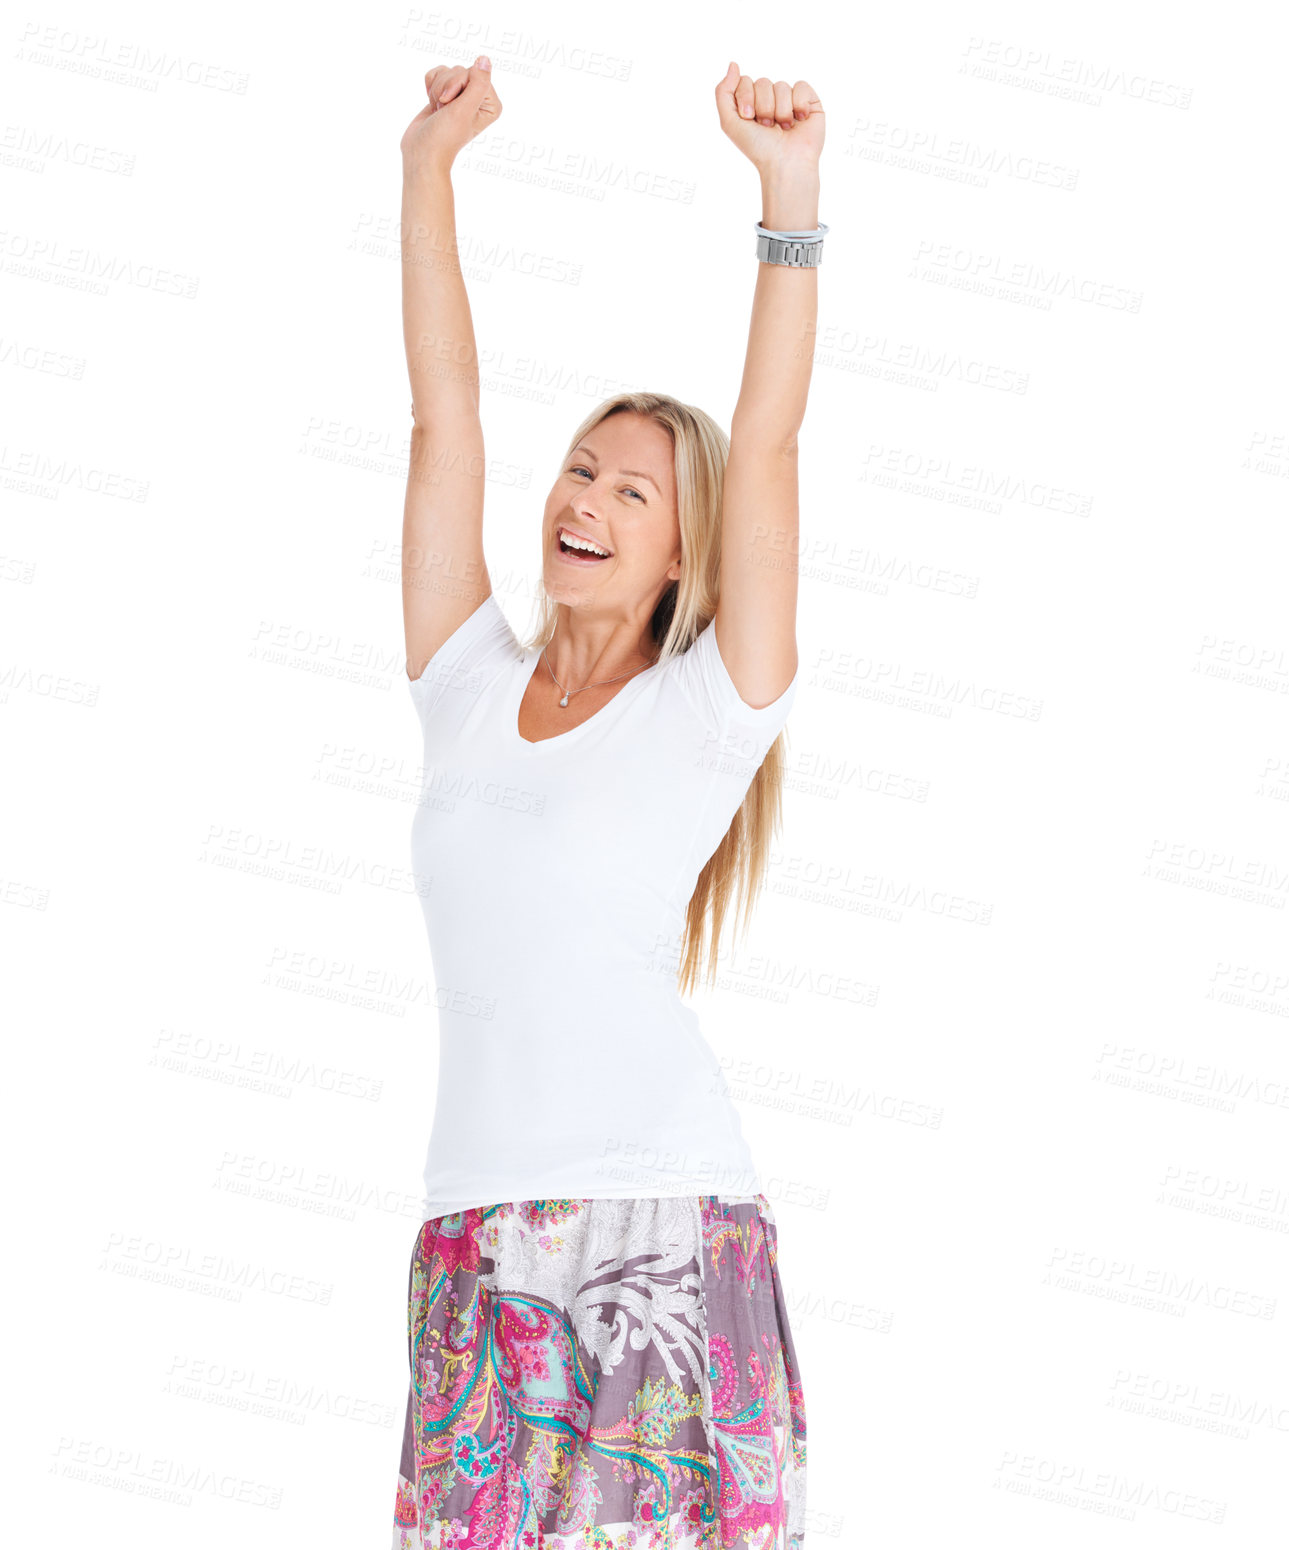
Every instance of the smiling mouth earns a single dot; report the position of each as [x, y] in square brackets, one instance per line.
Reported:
[579, 551]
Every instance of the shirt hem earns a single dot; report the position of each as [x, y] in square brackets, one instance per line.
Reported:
[431, 1210]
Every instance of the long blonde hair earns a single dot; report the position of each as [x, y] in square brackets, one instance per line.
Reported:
[686, 608]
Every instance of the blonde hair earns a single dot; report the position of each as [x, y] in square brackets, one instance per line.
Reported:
[686, 608]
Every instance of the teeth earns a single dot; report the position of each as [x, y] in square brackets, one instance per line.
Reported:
[582, 543]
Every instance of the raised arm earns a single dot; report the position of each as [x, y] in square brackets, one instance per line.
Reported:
[780, 128]
[444, 575]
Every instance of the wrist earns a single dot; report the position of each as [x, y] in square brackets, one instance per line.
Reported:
[790, 204]
[427, 169]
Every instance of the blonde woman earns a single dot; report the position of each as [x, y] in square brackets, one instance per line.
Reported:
[597, 1332]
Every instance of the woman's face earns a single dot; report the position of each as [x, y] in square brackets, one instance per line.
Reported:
[617, 488]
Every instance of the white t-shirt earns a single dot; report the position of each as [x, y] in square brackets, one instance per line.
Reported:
[554, 877]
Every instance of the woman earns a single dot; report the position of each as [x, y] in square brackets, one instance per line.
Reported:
[597, 1333]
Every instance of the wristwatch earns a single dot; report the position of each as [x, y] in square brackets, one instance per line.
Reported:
[798, 249]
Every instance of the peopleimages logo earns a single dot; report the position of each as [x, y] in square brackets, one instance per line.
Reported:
[138, 64]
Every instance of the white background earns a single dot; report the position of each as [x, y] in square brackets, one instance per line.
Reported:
[1009, 1032]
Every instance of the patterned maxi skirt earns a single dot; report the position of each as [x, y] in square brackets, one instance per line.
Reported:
[601, 1374]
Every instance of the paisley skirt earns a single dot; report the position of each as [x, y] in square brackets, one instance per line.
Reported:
[601, 1374]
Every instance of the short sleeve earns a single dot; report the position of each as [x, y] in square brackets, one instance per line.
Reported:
[711, 691]
[470, 658]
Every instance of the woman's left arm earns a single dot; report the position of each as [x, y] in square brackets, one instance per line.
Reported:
[782, 133]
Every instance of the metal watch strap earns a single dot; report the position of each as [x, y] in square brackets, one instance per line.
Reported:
[796, 252]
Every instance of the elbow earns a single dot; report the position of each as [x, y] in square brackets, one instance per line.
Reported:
[460, 422]
[778, 439]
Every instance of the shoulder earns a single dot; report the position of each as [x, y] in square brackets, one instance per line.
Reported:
[704, 679]
[472, 657]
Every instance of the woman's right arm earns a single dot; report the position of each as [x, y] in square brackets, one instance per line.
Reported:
[444, 574]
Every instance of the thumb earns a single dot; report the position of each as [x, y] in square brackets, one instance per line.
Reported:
[478, 82]
[474, 87]
[726, 107]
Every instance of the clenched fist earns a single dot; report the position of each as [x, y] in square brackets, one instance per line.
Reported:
[462, 102]
[779, 128]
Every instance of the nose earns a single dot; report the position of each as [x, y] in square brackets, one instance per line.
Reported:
[587, 515]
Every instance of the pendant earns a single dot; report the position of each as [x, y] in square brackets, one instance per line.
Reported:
[564, 701]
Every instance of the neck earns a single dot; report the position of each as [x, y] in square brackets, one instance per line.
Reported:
[581, 652]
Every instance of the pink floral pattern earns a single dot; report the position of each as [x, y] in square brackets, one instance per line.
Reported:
[601, 1374]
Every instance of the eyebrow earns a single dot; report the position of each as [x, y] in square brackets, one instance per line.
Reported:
[631, 473]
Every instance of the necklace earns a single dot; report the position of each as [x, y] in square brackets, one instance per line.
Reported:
[602, 681]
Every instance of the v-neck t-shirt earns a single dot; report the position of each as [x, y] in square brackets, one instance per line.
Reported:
[554, 877]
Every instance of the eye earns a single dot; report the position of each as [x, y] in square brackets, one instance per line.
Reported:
[579, 469]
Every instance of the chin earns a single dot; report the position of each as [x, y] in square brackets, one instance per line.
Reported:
[561, 590]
